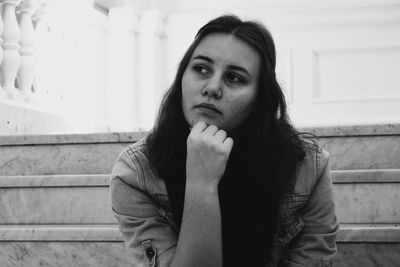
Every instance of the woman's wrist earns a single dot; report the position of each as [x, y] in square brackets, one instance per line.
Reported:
[197, 186]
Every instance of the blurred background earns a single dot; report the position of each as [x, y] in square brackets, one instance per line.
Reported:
[103, 65]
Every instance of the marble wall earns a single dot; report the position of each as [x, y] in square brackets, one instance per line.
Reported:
[62, 154]
[70, 155]
[368, 255]
[362, 152]
[88, 254]
[59, 159]
[55, 205]
[114, 254]
[85, 199]
[368, 203]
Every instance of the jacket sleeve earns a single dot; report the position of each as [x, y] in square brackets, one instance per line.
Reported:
[144, 229]
[315, 245]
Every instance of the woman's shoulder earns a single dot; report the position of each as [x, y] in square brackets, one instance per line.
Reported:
[134, 168]
[139, 147]
[315, 154]
[310, 169]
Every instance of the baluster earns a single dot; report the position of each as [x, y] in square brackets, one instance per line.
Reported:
[26, 70]
[11, 57]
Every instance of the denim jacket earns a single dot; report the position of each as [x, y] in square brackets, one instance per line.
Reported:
[307, 226]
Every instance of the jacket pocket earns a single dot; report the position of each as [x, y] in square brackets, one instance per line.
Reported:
[165, 211]
[150, 253]
[290, 221]
[288, 229]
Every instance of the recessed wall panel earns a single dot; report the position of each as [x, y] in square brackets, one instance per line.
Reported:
[356, 74]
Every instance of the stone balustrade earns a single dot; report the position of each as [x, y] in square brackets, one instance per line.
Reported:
[39, 46]
[17, 68]
[52, 57]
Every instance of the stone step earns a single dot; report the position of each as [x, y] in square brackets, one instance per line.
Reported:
[55, 199]
[367, 196]
[62, 154]
[351, 147]
[361, 147]
[62, 245]
[355, 233]
[101, 245]
[361, 196]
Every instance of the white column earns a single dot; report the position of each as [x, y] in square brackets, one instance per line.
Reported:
[43, 46]
[11, 58]
[135, 33]
[123, 70]
[2, 92]
[26, 70]
[152, 60]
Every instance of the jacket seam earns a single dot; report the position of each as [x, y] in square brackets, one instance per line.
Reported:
[135, 161]
[318, 163]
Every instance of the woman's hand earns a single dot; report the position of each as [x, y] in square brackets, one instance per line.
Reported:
[208, 152]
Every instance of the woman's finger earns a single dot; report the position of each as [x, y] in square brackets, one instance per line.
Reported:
[199, 127]
[221, 135]
[228, 143]
[211, 130]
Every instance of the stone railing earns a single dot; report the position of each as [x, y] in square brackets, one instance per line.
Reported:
[20, 22]
[52, 66]
[39, 40]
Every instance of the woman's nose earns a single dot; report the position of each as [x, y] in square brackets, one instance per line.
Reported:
[213, 87]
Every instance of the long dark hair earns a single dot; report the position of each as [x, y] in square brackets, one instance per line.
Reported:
[263, 160]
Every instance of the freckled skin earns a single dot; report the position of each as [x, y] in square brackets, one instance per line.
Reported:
[231, 90]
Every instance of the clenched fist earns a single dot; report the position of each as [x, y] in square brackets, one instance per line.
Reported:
[208, 152]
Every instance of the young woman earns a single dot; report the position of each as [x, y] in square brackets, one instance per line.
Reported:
[223, 179]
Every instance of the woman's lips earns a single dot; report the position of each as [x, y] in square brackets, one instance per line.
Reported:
[208, 107]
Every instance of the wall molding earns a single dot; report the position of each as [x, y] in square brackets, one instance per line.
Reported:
[341, 51]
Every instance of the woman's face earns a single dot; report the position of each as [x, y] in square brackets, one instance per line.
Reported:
[219, 85]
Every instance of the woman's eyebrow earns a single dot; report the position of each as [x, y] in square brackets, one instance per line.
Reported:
[204, 58]
[238, 68]
[232, 67]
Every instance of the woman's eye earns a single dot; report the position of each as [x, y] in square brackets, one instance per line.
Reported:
[201, 69]
[234, 78]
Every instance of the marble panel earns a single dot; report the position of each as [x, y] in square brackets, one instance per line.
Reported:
[355, 233]
[368, 255]
[109, 232]
[86, 198]
[60, 254]
[55, 205]
[32, 254]
[59, 159]
[351, 147]
[354, 130]
[346, 153]
[123, 137]
[93, 232]
[365, 152]
[367, 203]
[110, 254]
[101, 245]
[369, 233]
[366, 176]
[127, 137]
[55, 180]
[338, 177]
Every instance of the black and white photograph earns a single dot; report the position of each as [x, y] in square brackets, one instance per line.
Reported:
[213, 133]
